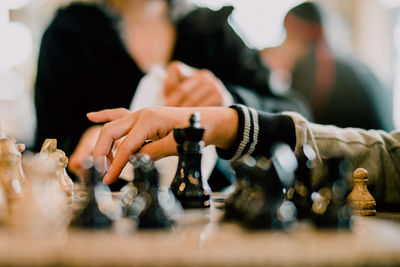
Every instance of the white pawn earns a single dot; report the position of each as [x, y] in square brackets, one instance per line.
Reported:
[360, 199]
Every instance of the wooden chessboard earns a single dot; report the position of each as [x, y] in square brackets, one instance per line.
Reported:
[201, 239]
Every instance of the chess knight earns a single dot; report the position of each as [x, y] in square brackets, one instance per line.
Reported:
[49, 148]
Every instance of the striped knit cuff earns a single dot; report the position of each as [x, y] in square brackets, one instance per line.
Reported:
[247, 137]
[258, 131]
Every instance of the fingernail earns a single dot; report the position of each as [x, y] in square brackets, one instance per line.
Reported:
[101, 165]
[106, 179]
[90, 113]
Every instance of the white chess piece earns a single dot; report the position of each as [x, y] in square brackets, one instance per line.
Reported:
[43, 208]
[11, 174]
[49, 148]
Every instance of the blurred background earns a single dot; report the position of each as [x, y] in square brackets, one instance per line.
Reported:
[367, 29]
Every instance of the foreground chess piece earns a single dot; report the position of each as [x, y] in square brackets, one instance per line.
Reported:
[147, 209]
[258, 201]
[188, 185]
[329, 208]
[3, 205]
[300, 193]
[49, 148]
[360, 199]
[92, 216]
[43, 208]
[11, 175]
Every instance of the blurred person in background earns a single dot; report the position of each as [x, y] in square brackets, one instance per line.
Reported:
[340, 90]
[93, 56]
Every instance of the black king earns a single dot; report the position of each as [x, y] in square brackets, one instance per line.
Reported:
[188, 185]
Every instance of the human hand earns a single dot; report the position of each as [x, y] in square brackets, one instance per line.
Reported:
[189, 87]
[85, 147]
[156, 124]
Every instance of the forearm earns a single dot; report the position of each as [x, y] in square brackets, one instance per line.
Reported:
[376, 151]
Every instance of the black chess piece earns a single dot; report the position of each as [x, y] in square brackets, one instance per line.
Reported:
[234, 204]
[300, 193]
[188, 185]
[329, 207]
[179, 176]
[146, 208]
[91, 216]
[258, 201]
[263, 197]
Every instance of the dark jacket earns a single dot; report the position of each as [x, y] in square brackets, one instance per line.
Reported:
[83, 66]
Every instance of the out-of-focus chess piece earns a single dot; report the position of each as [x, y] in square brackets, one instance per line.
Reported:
[49, 148]
[11, 174]
[3, 205]
[99, 202]
[43, 207]
[188, 186]
[234, 208]
[258, 202]
[300, 193]
[360, 199]
[149, 209]
[329, 208]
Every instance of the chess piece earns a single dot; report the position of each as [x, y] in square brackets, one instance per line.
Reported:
[360, 199]
[146, 208]
[178, 179]
[92, 216]
[3, 205]
[11, 174]
[234, 210]
[188, 186]
[258, 202]
[300, 193]
[49, 148]
[43, 208]
[329, 208]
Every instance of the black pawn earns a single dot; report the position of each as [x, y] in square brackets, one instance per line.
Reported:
[91, 216]
[188, 185]
[145, 207]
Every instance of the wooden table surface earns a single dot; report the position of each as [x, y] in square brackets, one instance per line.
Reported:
[202, 240]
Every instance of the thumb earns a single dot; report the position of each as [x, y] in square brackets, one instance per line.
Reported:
[161, 148]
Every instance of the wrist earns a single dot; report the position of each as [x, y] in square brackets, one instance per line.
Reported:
[226, 128]
[221, 125]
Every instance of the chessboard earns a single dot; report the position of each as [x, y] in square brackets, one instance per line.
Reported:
[201, 239]
[274, 215]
